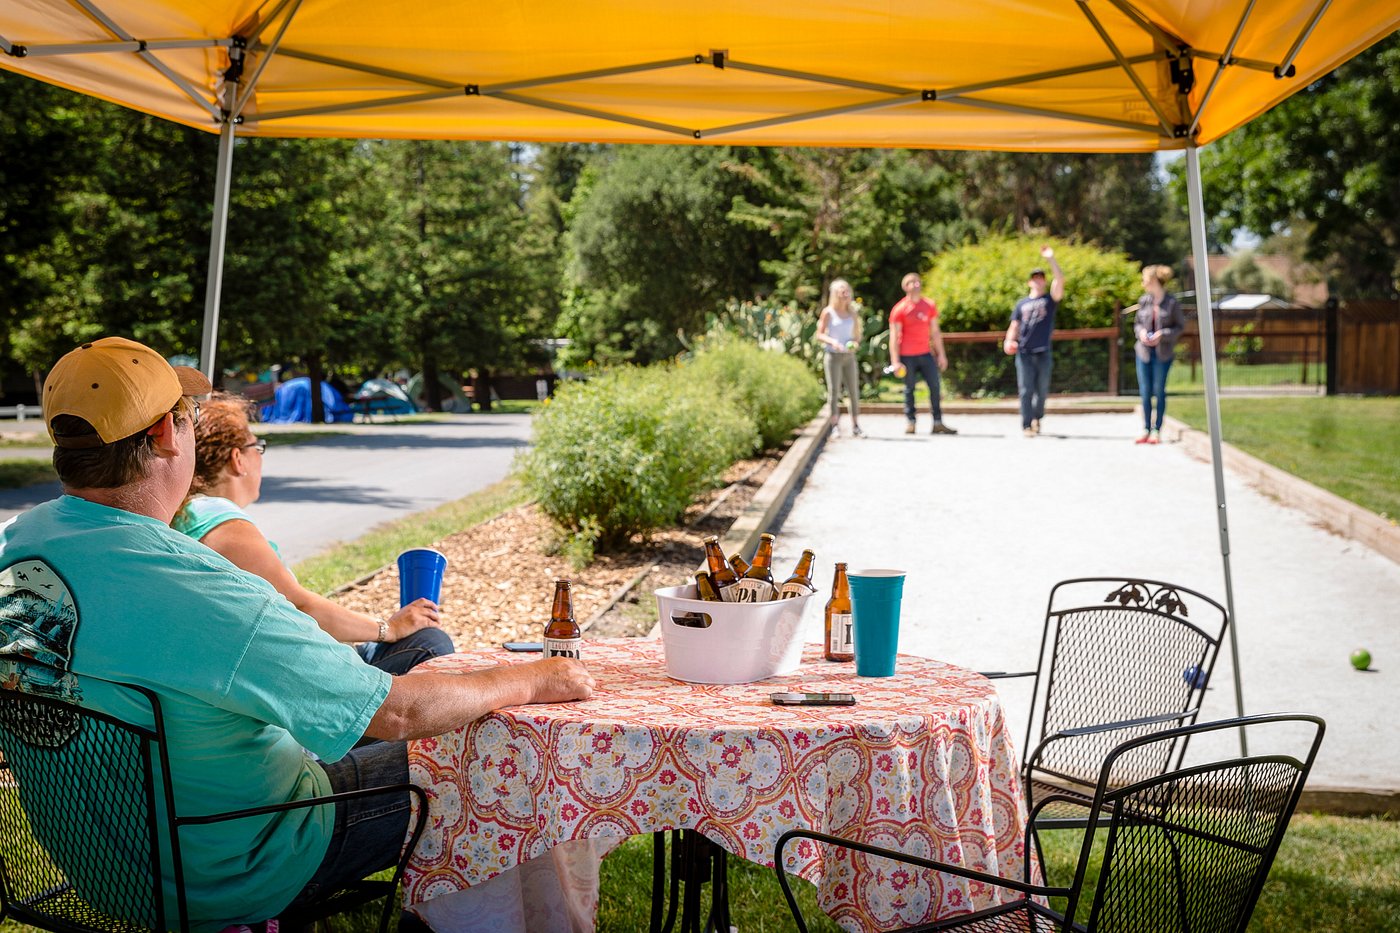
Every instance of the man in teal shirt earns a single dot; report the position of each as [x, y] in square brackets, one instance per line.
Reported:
[97, 584]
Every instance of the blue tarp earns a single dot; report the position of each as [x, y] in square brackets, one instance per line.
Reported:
[293, 403]
[382, 397]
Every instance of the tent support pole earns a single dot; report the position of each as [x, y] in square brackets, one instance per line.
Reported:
[1206, 321]
[209, 340]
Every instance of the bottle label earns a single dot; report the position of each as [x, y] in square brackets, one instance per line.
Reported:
[842, 635]
[563, 648]
[749, 590]
[790, 590]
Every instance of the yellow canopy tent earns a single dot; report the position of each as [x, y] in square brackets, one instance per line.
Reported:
[1033, 75]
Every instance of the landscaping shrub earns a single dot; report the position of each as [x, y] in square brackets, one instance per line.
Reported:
[778, 391]
[626, 452]
[776, 325]
[977, 285]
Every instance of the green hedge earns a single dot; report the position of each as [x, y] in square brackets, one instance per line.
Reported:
[777, 391]
[626, 452]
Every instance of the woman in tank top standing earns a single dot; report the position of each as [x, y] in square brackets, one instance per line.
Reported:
[838, 331]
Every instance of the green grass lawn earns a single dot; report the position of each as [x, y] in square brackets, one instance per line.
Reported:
[1180, 377]
[1346, 445]
[26, 471]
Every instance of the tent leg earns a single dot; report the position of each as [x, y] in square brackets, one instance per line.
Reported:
[1206, 319]
[209, 341]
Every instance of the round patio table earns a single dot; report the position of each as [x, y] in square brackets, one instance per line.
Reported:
[923, 763]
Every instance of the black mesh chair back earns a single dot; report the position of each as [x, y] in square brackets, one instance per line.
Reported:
[88, 819]
[80, 846]
[1190, 850]
[1133, 654]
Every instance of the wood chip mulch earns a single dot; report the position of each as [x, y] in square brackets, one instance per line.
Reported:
[500, 574]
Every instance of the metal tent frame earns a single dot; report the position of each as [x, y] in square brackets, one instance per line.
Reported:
[1165, 130]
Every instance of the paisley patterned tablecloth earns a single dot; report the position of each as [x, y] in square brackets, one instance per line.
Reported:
[922, 763]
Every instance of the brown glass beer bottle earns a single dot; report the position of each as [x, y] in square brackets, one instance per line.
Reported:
[562, 636]
[704, 589]
[840, 645]
[800, 583]
[756, 585]
[740, 565]
[721, 576]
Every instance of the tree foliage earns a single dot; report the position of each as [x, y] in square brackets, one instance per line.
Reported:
[1326, 160]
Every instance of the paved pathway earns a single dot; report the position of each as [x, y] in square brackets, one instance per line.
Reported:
[335, 488]
[988, 521]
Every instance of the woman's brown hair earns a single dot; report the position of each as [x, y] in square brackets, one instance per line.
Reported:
[222, 428]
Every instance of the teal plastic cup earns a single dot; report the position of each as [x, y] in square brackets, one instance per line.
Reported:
[875, 600]
[420, 575]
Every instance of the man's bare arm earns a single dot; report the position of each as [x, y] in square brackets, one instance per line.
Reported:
[432, 702]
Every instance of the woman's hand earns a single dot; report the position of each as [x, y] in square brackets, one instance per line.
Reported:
[419, 614]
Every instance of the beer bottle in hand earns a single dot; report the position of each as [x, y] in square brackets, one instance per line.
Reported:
[740, 565]
[840, 644]
[720, 573]
[704, 589]
[562, 636]
[800, 583]
[756, 585]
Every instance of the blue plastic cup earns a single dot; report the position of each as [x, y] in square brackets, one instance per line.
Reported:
[875, 599]
[420, 575]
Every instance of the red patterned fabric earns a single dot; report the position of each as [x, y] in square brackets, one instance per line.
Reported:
[922, 763]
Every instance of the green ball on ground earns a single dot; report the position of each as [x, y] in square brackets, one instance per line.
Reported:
[1361, 659]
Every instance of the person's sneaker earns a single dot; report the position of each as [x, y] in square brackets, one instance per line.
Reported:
[835, 430]
[1145, 439]
[1035, 425]
[856, 431]
[909, 428]
[1028, 432]
[941, 428]
[1155, 437]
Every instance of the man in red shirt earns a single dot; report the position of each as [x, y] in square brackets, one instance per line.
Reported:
[914, 340]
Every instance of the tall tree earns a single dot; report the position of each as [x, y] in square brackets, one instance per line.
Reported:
[652, 249]
[1327, 160]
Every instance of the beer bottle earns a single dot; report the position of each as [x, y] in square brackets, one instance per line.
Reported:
[756, 585]
[721, 576]
[562, 636]
[704, 589]
[800, 583]
[740, 565]
[840, 644]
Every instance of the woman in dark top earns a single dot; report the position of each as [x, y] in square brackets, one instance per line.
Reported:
[1159, 324]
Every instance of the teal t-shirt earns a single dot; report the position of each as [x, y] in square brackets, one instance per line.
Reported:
[245, 681]
[205, 513]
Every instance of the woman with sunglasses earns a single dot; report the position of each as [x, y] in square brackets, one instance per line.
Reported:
[227, 479]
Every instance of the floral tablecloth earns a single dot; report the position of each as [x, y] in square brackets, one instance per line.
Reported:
[922, 763]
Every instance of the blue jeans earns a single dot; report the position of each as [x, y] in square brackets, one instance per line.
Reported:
[1033, 384]
[369, 831]
[399, 657]
[1152, 383]
[913, 366]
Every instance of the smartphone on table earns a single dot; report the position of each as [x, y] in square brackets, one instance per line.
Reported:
[523, 646]
[814, 699]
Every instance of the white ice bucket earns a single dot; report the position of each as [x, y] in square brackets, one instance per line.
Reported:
[739, 643]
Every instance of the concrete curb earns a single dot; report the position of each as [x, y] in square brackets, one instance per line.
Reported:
[1351, 801]
[763, 509]
[1009, 407]
[1332, 511]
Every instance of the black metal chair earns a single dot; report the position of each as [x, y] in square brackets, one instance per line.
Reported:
[81, 848]
[1187, 850]
[1119, 658]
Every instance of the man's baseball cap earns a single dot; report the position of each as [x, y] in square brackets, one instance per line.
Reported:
[118, 386]
[1036, 271]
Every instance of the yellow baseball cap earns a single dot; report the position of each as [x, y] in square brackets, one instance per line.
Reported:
[118, 386]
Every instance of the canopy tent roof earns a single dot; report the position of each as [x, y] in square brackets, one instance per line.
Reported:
[1066, 75]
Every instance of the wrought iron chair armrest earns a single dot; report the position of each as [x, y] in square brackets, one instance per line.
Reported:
[970, 873]
[1103, 727]
[1006, 675]
[413, 789]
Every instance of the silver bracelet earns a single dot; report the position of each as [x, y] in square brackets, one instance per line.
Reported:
[383, 631]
